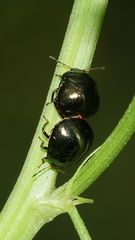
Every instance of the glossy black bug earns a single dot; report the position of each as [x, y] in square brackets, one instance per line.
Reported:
[76, 95]
[69, 141]
[75, 99]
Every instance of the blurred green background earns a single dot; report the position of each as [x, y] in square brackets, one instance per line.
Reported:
[30, 31]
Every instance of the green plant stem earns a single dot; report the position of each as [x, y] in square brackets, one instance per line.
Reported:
[79, 224]
[29, 199]
[108, 151]
[84, 33]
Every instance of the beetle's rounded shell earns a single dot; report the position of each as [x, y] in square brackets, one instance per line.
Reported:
[77, 95]
[69, 141]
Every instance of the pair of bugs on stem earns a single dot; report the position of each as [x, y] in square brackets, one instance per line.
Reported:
[75, 99]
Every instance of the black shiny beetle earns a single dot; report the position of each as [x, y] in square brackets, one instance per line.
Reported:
[77, 94]
[75, 99]
[69, 141]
